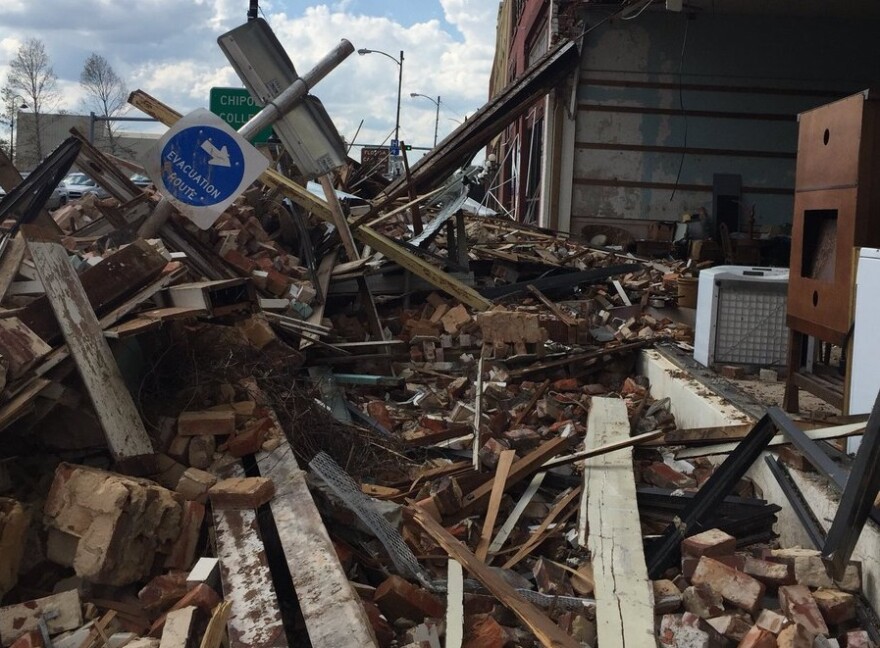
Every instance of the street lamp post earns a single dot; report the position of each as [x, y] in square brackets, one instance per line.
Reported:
[437, 116]
[399, 62]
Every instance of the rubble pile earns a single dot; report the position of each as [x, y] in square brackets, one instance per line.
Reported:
[264, 431]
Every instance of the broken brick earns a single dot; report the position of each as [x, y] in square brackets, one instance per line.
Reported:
[758, 638]
[665, 476]
[770, 573]
[241, 492]
[800, 607]
[400, 599]
[713, 542]
[836, 606]
[206, 422]
[735, 587]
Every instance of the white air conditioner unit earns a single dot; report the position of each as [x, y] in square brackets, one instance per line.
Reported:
[741, 316]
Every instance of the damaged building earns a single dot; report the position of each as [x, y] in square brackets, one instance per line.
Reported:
[321, 406]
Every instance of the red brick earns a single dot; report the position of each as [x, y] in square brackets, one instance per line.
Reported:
[247, 441]
[664, 476]
[703, 601]
[163, 591]
[731, 625]
[32, 639]
[799, 606]
[206, 422]
[688, 631]
[566, 385]
[240, 262]
[758, 638]
[381, 628]
[713, 542]
[733, 372]
[377, 410]
[772, 621]
[485, 632]
[735, 587]
[183, 550]
[835, 606]
[241, 492]
[400, 599]
[794, 636]
[770, 573]
[667, 597]
[856, 639]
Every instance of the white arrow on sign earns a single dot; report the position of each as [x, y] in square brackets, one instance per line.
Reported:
[219, 157]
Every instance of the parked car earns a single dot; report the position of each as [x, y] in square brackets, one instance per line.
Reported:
[140, 180]
[58, 197]
[78, 184]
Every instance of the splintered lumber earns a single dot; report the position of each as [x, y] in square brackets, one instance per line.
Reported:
[540, 534]
[628, 442]
[516, 513]
[505, 461]
[178, 626]
[254, 617]
[521, 469]
[213, 636]
[545, 631]
[333, 613]
[478, 418]
[624, 596]
[119, 417]
[320, 208]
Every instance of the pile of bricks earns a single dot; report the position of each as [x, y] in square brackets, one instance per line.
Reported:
[756, 597]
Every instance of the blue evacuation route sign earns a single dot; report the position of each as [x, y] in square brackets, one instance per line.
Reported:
[202, 166]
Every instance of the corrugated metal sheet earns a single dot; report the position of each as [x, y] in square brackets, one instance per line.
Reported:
[744, 80]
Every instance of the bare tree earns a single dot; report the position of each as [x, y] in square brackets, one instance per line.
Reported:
[31, 75]
[106, 92]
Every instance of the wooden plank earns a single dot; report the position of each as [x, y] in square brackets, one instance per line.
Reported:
[325, 269]
[521, 505]
[20, 404]
[333, 613]
[624, 598]
[254, 615]
[61, 611]
[215, 631]
[105, 285]
[545, 631]
[119, 417]
[819, 434]
[561, 315]
[531, 404]
[9, 179]
[10, 263]
[502, 470]
[609, 447]
[540, 534]
[478, 417]
[454, 604]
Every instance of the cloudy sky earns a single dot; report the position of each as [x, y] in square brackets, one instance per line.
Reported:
[168, 48]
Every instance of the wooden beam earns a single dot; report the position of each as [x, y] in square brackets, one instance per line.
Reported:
[502, 470]
[478, 419]
[119, 417]
[624, 598]
[254, 616]
[561, 315]
[10, 263]
[608, 447]
[454, 604]
[302, 197]
[516, 513]
[332, 610]
[819, 434]
[545, 631]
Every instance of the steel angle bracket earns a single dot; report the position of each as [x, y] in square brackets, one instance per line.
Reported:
[857, 500]
[307, 132]
[25, 201]
[798, 504]
[664, 552]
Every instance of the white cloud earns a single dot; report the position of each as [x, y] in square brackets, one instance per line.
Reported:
[168, 48]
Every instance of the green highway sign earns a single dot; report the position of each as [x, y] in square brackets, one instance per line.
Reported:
[235, 106]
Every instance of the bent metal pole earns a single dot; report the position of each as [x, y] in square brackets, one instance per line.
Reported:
[272, 112]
